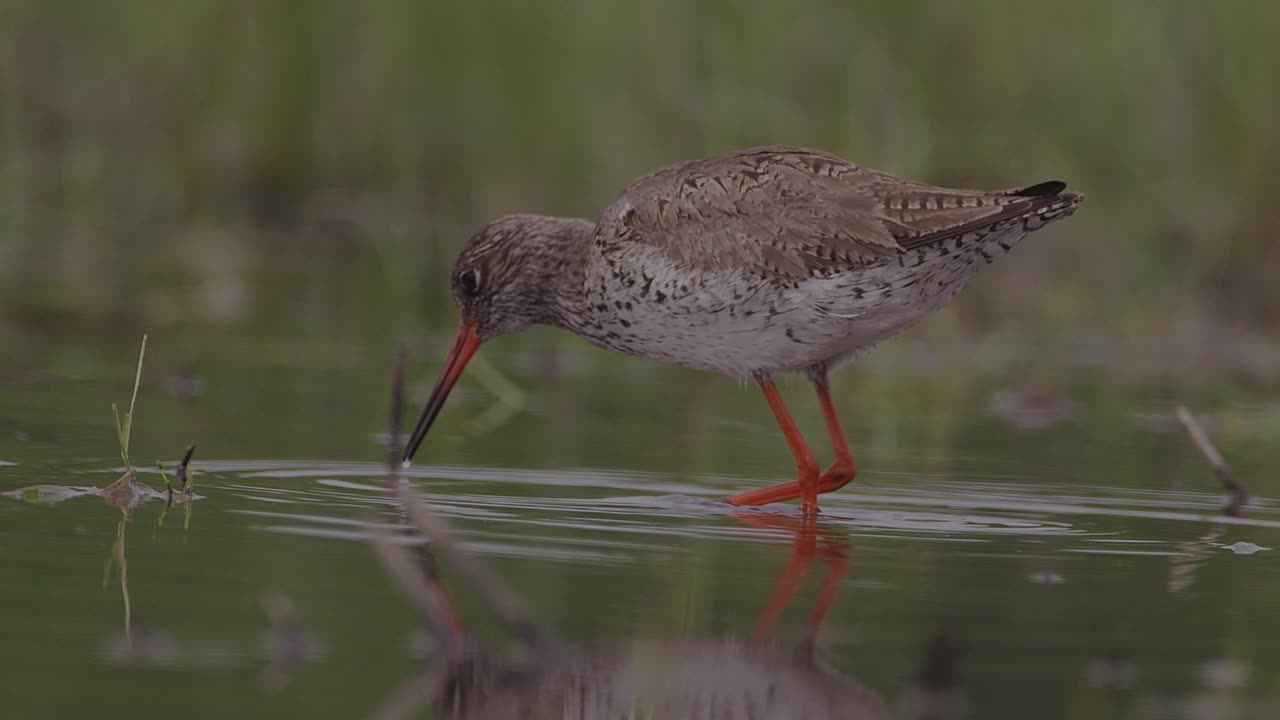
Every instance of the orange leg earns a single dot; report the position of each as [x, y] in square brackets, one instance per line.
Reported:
[805, 486]
[837, 476]
[843, 469]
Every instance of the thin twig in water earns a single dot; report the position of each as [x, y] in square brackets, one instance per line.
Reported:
[426, 596]
[421, 582]
[505, 604]
[1239, 493]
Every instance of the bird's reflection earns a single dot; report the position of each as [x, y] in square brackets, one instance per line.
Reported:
[810, 542]
[693, 678]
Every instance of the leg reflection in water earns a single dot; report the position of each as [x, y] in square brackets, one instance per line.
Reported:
[810, 543]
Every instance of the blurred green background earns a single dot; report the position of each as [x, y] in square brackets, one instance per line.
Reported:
[275, 191]
[308, 169]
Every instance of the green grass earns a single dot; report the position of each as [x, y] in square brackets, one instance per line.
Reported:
[311, 168]
[125, 427]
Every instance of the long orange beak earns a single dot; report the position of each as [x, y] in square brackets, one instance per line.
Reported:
[463, 348]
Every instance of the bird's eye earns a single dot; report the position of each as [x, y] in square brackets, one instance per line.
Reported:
[470, 282]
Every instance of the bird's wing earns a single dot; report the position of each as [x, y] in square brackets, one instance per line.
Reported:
[920, 215]
[791, 212]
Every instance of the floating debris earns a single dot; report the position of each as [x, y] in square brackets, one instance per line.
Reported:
[50, 494]
[135, 495]
[1244, 548]
[1046, 578]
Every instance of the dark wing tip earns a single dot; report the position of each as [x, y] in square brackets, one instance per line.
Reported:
[1048, 188]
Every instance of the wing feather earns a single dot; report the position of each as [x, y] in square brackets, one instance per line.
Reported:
[792, 212]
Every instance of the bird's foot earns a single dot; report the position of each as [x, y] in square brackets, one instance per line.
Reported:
[837, 476]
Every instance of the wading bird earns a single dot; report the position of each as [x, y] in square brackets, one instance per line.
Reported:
[752, 263]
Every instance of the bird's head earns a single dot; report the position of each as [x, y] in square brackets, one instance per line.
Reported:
[506, 278]
[499, 280]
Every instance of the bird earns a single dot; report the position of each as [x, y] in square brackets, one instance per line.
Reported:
[753, 263]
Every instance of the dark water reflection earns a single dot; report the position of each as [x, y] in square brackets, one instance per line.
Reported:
[950, 583]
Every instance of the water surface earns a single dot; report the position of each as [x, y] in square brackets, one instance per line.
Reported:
[1068, 564]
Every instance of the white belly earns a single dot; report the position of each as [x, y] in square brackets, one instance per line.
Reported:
[733, 322]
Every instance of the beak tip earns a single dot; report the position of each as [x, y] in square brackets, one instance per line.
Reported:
[406, 464]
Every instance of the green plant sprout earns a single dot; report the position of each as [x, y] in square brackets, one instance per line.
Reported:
[123, 428]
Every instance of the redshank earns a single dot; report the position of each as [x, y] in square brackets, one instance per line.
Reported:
[752, 263]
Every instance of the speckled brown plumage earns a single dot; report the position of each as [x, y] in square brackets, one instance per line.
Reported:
[791, 212]
[754, 262]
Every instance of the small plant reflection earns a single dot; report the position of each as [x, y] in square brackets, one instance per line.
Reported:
[126, 494]
[119, 560]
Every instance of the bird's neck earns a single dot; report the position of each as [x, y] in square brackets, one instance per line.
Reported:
[561, 263]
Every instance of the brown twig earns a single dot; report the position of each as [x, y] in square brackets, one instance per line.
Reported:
[1239, 493]
[504, 603]
[421, 582]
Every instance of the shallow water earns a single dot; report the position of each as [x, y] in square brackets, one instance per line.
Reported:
[1078, 567]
